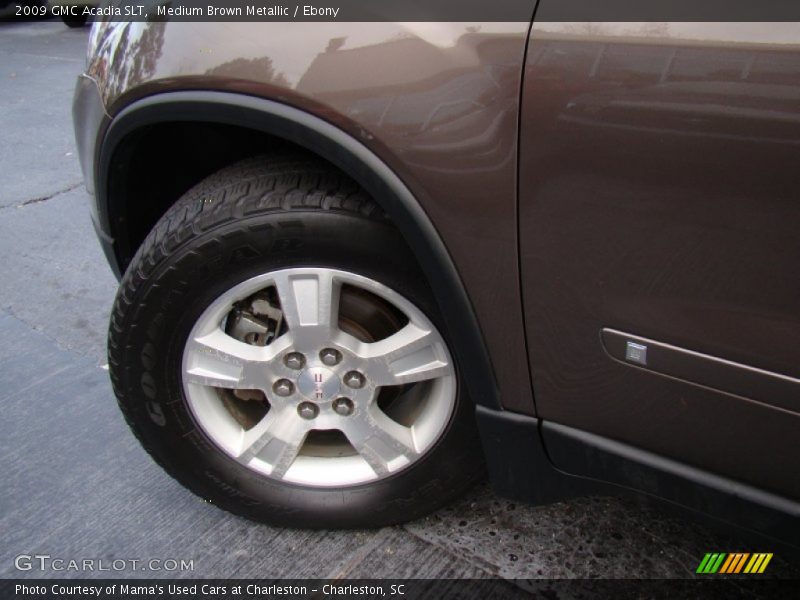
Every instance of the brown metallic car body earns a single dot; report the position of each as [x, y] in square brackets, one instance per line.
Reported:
[570, 188]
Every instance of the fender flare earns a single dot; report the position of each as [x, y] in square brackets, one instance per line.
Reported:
[354, 158]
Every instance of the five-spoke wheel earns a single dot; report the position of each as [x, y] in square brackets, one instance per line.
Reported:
[311, 375]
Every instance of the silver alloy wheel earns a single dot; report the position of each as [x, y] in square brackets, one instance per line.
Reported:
[319, 396]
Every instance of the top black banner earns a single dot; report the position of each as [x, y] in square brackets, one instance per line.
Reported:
[440, 10]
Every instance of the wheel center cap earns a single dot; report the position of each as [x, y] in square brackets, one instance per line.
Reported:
[318, 384]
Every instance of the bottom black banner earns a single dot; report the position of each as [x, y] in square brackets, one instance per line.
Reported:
[401, 589]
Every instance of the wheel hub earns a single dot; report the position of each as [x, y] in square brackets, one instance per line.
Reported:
[318, 384]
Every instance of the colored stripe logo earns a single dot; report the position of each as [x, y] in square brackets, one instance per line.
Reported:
[734, 562]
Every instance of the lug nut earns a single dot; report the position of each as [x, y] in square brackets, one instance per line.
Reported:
[307, 410]
[294, 360]
[330, 357]
[343, 406]
[354, 379]
[283, 387]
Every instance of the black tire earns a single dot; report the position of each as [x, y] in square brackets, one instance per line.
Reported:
[257, 216]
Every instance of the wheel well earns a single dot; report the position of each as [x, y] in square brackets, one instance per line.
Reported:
[158, 163]
[159, 146]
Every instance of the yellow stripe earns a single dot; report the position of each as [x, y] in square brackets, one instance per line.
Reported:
[740, 564]
[727, 562]
[749, 567]
[754, 568]
[765, 563]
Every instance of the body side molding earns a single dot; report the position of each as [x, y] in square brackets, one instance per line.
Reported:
[773, 389]
[540, 462]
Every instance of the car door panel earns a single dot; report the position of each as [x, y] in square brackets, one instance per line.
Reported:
[659, 190]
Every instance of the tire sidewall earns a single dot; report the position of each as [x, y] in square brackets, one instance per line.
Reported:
[203, 267]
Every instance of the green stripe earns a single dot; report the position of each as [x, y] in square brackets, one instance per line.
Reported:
[718, 564]
[711, 562]
[701, 568]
